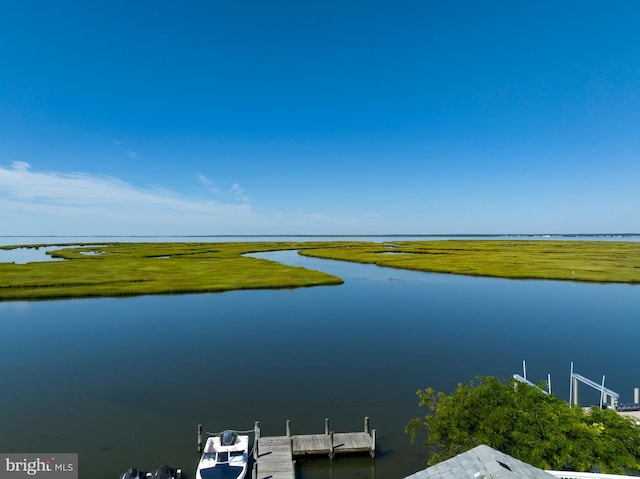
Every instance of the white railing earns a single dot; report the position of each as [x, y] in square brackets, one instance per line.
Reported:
[586, 475]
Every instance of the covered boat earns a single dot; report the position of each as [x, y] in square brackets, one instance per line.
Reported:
[134, 473]
[224, 457]
[166, 472]
[163, 472]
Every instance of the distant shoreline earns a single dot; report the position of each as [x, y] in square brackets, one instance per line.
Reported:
[393, 235]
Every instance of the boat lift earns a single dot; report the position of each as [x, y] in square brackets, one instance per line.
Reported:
[604, 392]
[523, 379]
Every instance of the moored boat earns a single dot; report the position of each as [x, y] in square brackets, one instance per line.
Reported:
[134, 473]
[224, 457]
[163, 472]
[166, 472]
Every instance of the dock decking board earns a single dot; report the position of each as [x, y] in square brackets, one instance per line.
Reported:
[311, 444]
[274, 459]
[346, 442]
[352, 442]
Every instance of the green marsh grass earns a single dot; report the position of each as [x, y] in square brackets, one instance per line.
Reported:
[592, 261]
[129, 269]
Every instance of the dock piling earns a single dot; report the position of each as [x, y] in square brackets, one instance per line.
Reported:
[326, 426]
[373, 443]
[256, 440]
[331, 450]
[199, 438]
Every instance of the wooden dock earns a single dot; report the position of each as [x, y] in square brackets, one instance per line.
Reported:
[274, 455]
[273, 458]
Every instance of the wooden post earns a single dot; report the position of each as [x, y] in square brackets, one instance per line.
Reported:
[331, 453]
[326, 425]
[636, 395]
[291, 452]
[373, 443]
[199, 438]
[288, 428]
[366, 424]
[256, 441]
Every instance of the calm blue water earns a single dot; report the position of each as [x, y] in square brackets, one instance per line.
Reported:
[125, 382]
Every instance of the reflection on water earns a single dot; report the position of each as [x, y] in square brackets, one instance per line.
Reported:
[27, 255]
[124, 382]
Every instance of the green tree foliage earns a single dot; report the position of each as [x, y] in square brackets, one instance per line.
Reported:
[521, 421]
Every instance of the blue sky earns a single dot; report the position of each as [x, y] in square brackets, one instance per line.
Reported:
[332, 117]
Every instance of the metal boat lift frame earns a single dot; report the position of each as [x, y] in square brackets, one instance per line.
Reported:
[523, 379]
[604, 392]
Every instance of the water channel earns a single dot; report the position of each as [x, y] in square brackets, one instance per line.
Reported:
[124, 382]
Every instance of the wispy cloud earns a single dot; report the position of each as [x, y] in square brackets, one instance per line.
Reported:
[80, 203]
[75, 203]
[238, 193]
[20, 166]
[210, 185]
[234, 193]
[129, 153]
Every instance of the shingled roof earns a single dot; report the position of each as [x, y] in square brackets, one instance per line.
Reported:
[482, 462]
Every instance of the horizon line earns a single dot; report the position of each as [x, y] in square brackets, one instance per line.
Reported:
[340, 235]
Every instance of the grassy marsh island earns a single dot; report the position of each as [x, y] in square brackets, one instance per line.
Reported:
[591, 261]
[130, 269]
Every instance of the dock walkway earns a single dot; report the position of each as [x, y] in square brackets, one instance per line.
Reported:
[273, 458]
[274, 455]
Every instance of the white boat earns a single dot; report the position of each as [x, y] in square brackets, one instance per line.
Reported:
[224, 457]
